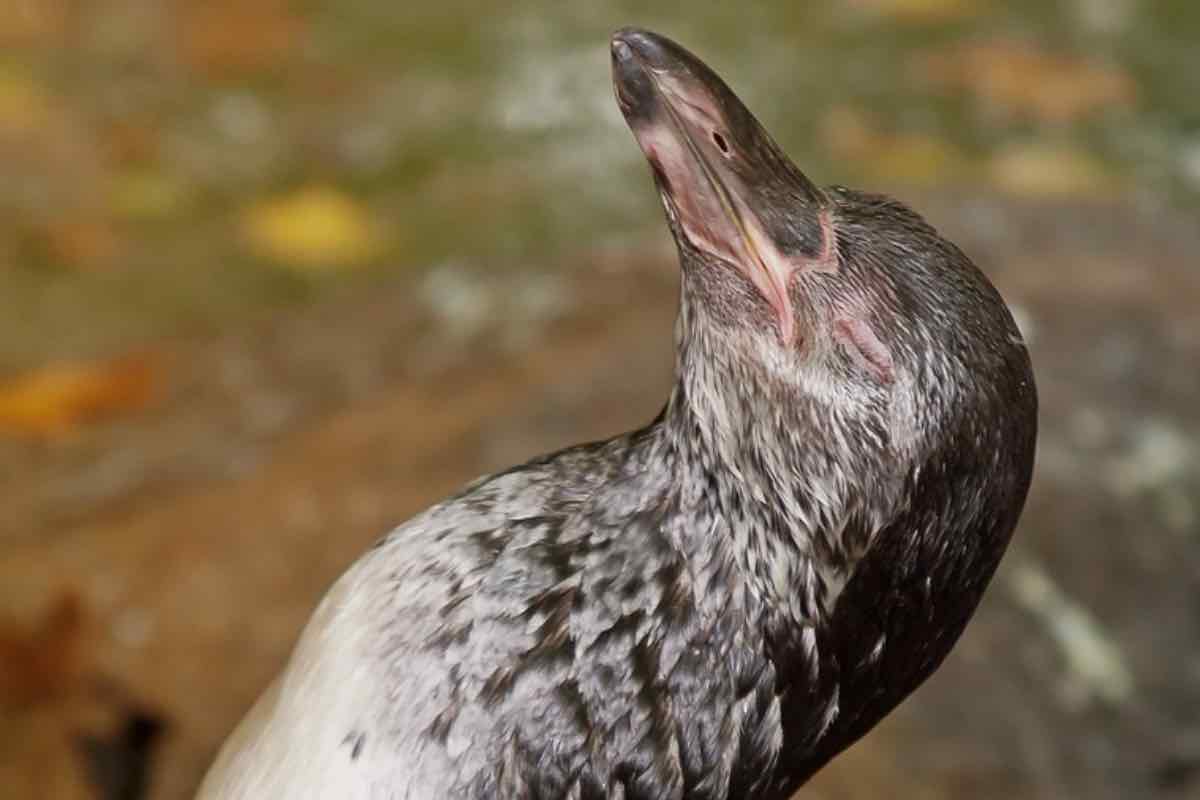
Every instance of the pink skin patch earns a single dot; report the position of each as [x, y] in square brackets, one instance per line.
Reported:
[865, 348]
[827, 261]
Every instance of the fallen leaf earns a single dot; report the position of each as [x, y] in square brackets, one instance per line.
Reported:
[1050, 170]
[147, 194]
[133, 141]
[848, 131]
[920, 10]
[1021, 80]
[53, 401]
[88, 243]
[917, 159]
[25, 107]
[43, 662]
[315, 229]
[913, 158]
[224, 37]
[24, 22]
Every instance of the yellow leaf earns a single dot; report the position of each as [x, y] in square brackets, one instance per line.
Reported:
[53, 401]
[316, 228]
[913, 158]
[24, 105]
[1018, 79]
[1049, 170]
[147, 194]
[917, 159]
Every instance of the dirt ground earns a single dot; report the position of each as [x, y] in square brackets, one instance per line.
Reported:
[154, 570]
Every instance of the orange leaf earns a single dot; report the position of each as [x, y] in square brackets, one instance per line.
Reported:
[222, 37]
[1019, 79]
[26, 22]
[51, 402]
[86, 243]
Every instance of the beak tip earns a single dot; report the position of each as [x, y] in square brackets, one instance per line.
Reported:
[623, 35]
[638, 42]
[631, 80]
[622, 53]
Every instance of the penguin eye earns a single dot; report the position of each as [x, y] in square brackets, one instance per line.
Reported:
[720, 142]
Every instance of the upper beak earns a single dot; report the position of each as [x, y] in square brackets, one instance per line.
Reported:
[672, 102]
[634, 53]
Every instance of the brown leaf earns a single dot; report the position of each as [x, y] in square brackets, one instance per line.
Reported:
[224, 37]
[42, 663]
[1021, 80]
[133, 141]
[53, 401]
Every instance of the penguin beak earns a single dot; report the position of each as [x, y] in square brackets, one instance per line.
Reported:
[708, 154]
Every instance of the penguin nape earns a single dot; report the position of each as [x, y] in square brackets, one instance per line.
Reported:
[716, 604]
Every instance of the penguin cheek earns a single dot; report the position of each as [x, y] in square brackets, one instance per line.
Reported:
[866, 350]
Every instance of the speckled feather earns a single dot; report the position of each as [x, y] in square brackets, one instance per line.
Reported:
[712, 606]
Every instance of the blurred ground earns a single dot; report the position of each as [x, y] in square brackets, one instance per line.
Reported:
[273, 276]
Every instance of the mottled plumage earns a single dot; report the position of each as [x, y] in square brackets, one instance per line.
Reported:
[716, 604]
